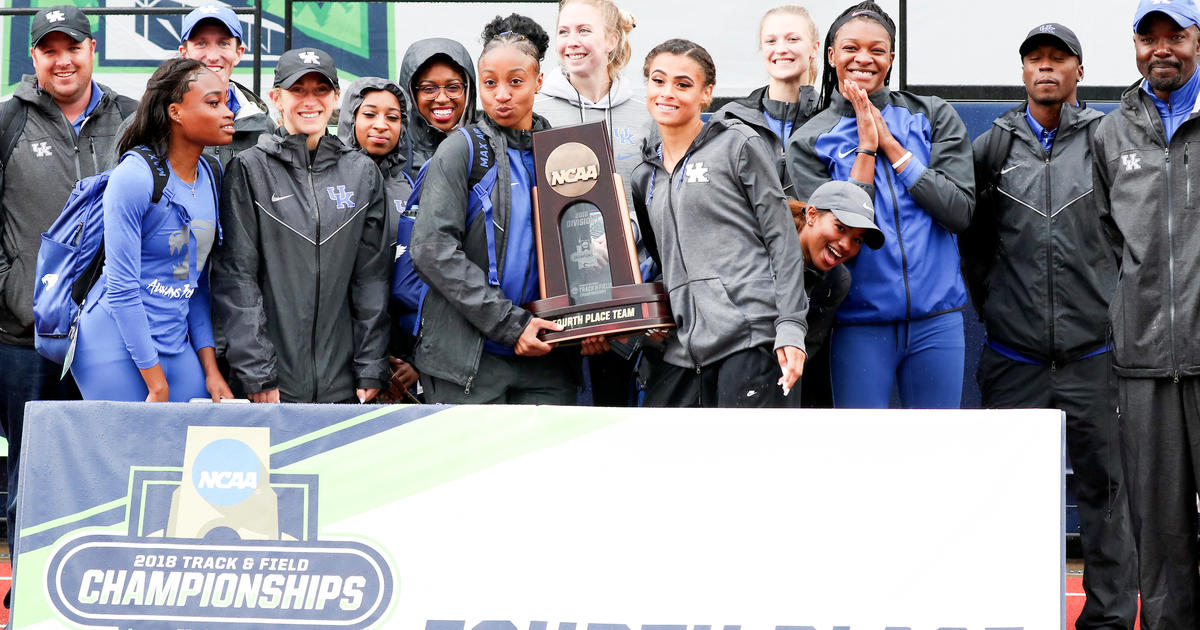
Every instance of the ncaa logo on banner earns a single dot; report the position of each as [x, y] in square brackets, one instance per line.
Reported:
[224, 558]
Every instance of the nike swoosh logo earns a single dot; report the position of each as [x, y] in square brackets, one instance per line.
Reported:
[1003, 171]
[275, 199]
[848, 152]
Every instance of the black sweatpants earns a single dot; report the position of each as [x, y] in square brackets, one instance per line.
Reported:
[511, 380]
[746, 378]
[1085, 390]
[1160, 439]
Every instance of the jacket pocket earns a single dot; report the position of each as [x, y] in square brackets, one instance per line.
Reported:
[5, 317]
[1191, 170]
[712, 320]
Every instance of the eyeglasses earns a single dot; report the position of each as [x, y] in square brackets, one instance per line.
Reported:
[429, 91]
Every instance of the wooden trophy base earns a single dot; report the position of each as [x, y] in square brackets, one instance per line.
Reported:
[633, 308]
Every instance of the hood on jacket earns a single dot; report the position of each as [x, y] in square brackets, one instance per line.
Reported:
[711, 128]
[1070, 118]
[292, 149]
[419, 55]
[556, 85]
[750, 108]
[353, 98]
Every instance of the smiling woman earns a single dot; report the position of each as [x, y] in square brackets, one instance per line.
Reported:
[302, 294]
[709, 197]
[372, 119]
[912, 155]
[787, 41]
[477, 344]
[151, 337]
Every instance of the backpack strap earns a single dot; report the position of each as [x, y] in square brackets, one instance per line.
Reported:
[999, 143]
[127, 106]
[158, 169]
[91, 273]
[481, 178]
[12, 120]
[13, 115]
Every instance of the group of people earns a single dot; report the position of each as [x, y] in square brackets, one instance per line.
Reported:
[271, 272]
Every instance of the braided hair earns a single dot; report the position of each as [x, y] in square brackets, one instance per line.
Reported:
[862, 11]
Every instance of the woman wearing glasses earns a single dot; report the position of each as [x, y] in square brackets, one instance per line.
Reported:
[437, 73]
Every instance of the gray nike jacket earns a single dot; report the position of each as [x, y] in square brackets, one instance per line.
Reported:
[41, 172]
[1148, 195]
[300, 284]
[727, 245]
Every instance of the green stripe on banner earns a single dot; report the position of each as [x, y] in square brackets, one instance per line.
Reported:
[440, 448]
[334, 428]
[79, 516]
[71, 518]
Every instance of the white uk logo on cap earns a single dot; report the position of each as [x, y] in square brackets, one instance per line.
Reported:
[310, 57]
[1162, 2]
[208, 8]
[1047, 28]
[55, 16]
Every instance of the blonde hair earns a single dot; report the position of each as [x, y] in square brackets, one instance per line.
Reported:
[617, 21]
[810, 77]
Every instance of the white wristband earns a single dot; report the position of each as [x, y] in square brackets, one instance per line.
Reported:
[903, 159]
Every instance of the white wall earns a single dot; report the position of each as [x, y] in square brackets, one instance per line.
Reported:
[952, 42]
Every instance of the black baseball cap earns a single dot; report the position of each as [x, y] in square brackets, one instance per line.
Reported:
[1054, 34]
[851, 205]
[298, 62]
[63, 18]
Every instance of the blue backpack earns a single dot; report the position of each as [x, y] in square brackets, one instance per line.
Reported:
[71, 258]
[408, 289]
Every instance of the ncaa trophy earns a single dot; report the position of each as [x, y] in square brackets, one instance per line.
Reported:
[588, 271]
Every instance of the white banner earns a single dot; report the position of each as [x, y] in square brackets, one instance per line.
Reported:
[732, 519]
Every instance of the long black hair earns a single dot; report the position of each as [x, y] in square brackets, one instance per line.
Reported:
[151, 124]
[865, 11]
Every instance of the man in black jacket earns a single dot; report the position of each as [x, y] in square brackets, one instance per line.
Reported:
[1147, 200]
[64, 125]
[1041, 278]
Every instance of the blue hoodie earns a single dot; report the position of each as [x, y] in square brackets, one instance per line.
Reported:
[155, 280]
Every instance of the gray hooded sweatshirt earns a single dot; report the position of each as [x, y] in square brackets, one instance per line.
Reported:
[727, 245]
[628, 121]
[424, 137]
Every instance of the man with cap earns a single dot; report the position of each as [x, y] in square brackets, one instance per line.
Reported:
[1148, 194]
[1041, 282]
[212, 34]
[302, 281]
[837, 221]
[60, 126]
